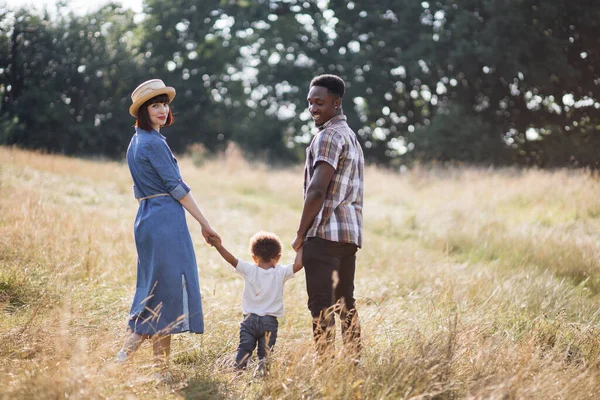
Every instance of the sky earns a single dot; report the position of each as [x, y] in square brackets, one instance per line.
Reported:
[78, 6]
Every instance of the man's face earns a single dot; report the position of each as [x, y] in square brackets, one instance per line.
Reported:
[322, 104]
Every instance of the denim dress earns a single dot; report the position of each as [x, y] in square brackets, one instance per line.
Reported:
[167, 296]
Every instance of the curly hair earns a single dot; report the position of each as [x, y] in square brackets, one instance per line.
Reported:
[333, 83]
[265, 245]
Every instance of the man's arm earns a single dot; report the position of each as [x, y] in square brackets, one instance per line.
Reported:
[315, 196]
[227, 256]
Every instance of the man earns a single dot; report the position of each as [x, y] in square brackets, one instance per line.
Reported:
[330, 229]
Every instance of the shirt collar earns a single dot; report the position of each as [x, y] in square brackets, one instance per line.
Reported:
[151, 131]
[340, 117]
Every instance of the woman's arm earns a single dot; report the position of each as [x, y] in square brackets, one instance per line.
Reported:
[189, 203]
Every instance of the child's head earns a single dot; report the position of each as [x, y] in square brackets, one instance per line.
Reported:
[265, 246]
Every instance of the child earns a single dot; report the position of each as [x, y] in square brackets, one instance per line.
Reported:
[262, 299]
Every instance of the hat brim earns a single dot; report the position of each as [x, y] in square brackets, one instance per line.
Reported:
[168, 90]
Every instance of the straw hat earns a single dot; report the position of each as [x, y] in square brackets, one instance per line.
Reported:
[148, 90]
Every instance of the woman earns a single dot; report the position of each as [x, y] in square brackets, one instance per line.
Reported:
[167, 297]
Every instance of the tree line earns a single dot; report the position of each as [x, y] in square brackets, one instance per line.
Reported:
[489, 82]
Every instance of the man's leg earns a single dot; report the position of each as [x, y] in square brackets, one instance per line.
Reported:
[320, 266]
[344, 294]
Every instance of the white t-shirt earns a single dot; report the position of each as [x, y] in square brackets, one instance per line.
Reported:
[263, 288]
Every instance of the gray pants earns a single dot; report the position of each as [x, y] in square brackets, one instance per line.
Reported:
[256, 331]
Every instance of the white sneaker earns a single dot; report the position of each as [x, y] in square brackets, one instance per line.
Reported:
[121, 356]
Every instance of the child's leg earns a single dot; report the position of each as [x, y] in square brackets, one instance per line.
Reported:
[268, 325]
[261, 348]
[271, 339]
[248, 339]
[262, 352]
[266, 342]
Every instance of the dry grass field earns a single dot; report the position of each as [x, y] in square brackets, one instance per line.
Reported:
[471, 284]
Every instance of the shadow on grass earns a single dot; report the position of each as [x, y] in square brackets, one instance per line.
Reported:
[18, 291]
[561, 257]
[202, 387]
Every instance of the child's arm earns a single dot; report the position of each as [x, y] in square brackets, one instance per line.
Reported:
[227, 256]
[298, 260]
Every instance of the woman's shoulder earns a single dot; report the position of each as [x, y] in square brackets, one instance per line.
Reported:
[150, 140]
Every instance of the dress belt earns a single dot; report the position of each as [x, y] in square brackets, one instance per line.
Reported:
[154, 195]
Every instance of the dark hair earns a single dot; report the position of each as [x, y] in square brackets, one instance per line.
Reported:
[143, 118]
[333, 83]
[265, 245]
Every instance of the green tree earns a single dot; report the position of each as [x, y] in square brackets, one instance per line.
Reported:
[479, 81]
[187, 44]
[511, 66]
[63, 82]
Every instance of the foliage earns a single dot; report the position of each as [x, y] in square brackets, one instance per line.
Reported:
[66, 82]
[477, 81]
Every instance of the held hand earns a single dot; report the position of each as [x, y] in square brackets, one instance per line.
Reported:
[297, 243]
[214, 241]
[208, 233]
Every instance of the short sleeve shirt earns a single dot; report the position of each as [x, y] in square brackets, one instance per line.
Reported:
[340, 219]
[263, 288]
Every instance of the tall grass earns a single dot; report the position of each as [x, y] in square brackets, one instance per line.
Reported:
[471, 284]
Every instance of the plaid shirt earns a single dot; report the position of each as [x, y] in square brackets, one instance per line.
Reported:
[340, 219]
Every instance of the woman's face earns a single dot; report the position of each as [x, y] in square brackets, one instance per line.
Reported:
[158, 113]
